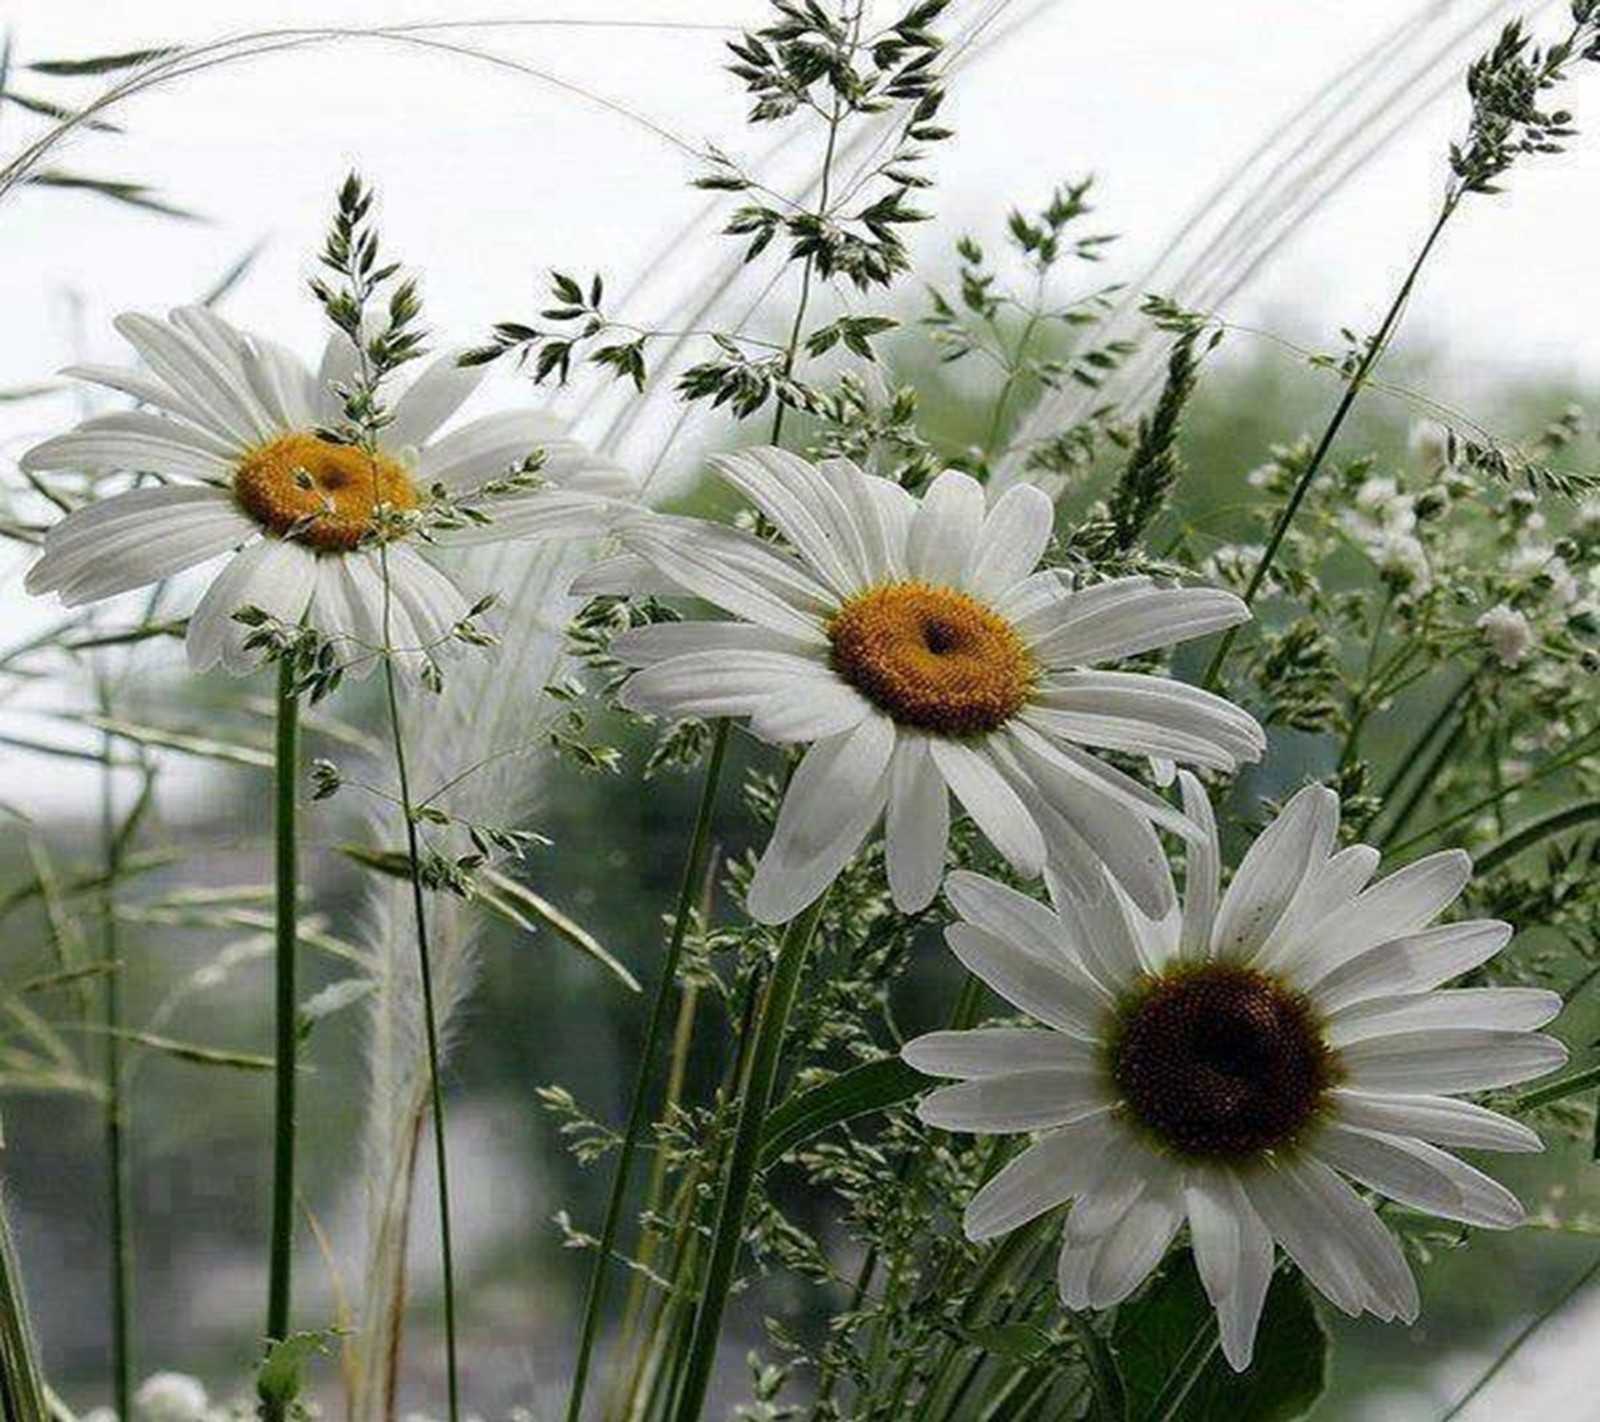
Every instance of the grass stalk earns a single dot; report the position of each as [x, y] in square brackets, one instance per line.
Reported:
[286, 869]
[1352, 392]
[429, 1013]
[693, 871]
[22, 1391]
[740, 1176]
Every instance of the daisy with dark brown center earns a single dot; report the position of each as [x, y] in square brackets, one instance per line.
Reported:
[920, 650]
[229, 426]
[1237, 1067]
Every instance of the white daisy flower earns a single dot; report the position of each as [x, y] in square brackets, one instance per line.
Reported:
[1236, 1064]
[230, 420]
[915, 646]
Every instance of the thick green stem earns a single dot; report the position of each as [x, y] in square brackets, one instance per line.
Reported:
[121, 1270]
[430, 1021]
[693, 870]
[740, 1177]
[22, 1390]
[1352, 390]
[287, 1009]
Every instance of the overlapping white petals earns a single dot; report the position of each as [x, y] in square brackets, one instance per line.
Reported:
[1028, 786]
[1386, 1122]
[212, 395]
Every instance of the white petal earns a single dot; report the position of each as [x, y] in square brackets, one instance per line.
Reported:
[996, 1051]
[1409, 899]
[805, 507]
[1108, 942]
[272, 574]
[994, 806]
[1419, 1175]
[546, 512]
[1013, 539]
[722, 683]
[1126, 1255]
[340, 365]
[810, 711]
[1022, 1101]
[645, 646]
[1510, 1009]
[1334, 1237]
[916, 825]
[487, 449]
[212, 386]
[1465, 1059]
[1415, 963]
[835, 796]
[1057, 996]
[1437, 1119]
[1125, 617]
[1148, 715]
[1272, 871]
[280, 381]
[735, 571]
[944, 534]
[881, 512]
[132, 441]
[624, 575]
[1005, 913]
[1060, 770]
[348, 605]
[1202, 877]
[145, 388]
[443, 388]
[1048, 1173]
[1090, 836]
[131, 540]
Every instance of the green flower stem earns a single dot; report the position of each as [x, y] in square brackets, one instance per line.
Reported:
[22, 1391]
[116, 1144]
[740, 1177]
[693, 872]
[287, 1009]
[1352, 391]
[429, 1014]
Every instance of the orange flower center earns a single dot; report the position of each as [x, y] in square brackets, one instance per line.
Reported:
[932, 658]
[320, 493]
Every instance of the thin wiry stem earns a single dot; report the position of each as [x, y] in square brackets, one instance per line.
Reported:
[287, 1008]
[116, 1145]
[1352, 391]
[430, 1016]
[693, 872]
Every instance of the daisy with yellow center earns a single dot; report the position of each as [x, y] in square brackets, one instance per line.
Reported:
[229, 424]
[1234, 1065]
[920, 651]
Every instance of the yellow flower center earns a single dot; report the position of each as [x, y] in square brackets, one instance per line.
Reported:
[932, 658]
[320, 493]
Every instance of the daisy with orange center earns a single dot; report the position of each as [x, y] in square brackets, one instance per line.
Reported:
[230, 426]
[918, 648]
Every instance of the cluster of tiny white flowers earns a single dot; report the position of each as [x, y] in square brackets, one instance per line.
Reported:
[1383, 520]
[1508, 634]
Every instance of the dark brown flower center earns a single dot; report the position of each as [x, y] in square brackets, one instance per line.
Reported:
[932, 658]
[1221, 1062]
[320, 493]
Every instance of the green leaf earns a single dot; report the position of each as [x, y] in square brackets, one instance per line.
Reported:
[1168, 1336]
[200, 1056]
[204, 746]
[282, 1372]
[1021, 1342]
[872, 1086]
[101, 63]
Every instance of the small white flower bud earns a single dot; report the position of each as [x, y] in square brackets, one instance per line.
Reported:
[1508, 634]
[171, 1397]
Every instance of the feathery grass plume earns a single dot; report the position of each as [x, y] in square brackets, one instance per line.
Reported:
[1247, 219]
[490, 720]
